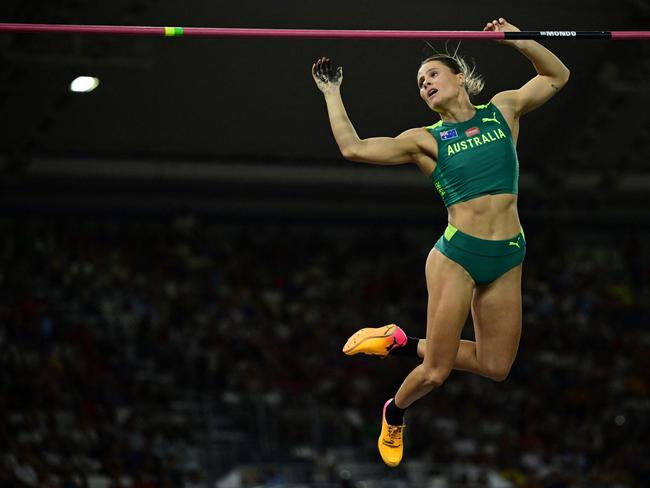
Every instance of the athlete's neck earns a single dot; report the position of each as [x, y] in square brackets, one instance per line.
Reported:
[459, 110]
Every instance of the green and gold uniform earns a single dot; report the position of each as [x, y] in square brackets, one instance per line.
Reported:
[475, 158]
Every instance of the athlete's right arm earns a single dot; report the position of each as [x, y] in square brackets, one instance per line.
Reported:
[378, 150]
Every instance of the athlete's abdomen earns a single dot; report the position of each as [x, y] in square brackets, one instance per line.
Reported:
[491, 217]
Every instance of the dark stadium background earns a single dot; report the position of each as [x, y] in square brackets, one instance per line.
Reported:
[183, 253]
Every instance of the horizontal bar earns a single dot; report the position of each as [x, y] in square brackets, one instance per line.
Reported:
[559, 35]
[314, 33]
[630, 35]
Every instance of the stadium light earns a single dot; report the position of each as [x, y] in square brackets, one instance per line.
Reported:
[84, 84]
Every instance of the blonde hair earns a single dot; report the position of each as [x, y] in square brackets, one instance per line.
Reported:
[474, 82]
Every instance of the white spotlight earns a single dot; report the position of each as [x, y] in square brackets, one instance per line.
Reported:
[84, 84]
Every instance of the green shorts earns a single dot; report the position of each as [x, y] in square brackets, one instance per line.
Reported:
[484, 260]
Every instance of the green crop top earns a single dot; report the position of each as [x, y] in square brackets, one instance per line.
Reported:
[476, 157]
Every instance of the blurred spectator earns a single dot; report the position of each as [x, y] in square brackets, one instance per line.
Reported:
[145, 355]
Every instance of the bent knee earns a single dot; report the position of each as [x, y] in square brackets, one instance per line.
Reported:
[497, 372]
[435, 377]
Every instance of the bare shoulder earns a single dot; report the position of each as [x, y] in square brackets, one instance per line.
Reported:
[506, 101]
[427, 153]
[420, 136]
[415, 134]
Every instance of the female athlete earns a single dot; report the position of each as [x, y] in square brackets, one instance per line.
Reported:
[476, 265]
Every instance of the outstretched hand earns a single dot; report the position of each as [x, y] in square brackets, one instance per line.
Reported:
[501, 25]
[326, 78]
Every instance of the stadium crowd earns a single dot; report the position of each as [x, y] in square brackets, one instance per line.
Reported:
[154, 353]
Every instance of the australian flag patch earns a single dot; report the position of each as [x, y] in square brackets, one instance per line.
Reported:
[445, 135]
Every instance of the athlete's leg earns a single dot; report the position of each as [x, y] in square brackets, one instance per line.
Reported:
[496, 313]
[450, 295]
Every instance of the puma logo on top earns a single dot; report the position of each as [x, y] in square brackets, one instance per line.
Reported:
[493, 119]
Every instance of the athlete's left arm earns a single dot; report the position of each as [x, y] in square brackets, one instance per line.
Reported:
[552, 74]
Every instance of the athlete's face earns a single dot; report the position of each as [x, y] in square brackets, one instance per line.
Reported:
[438, 83]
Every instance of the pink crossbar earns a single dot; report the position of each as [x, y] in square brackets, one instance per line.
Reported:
[314, 33]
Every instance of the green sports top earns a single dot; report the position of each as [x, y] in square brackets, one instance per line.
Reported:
[476, 157]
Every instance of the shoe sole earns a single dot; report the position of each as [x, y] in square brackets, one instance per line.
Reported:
[357, 340]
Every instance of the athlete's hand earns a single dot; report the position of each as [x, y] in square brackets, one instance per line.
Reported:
[502, 25]
[327, 80]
